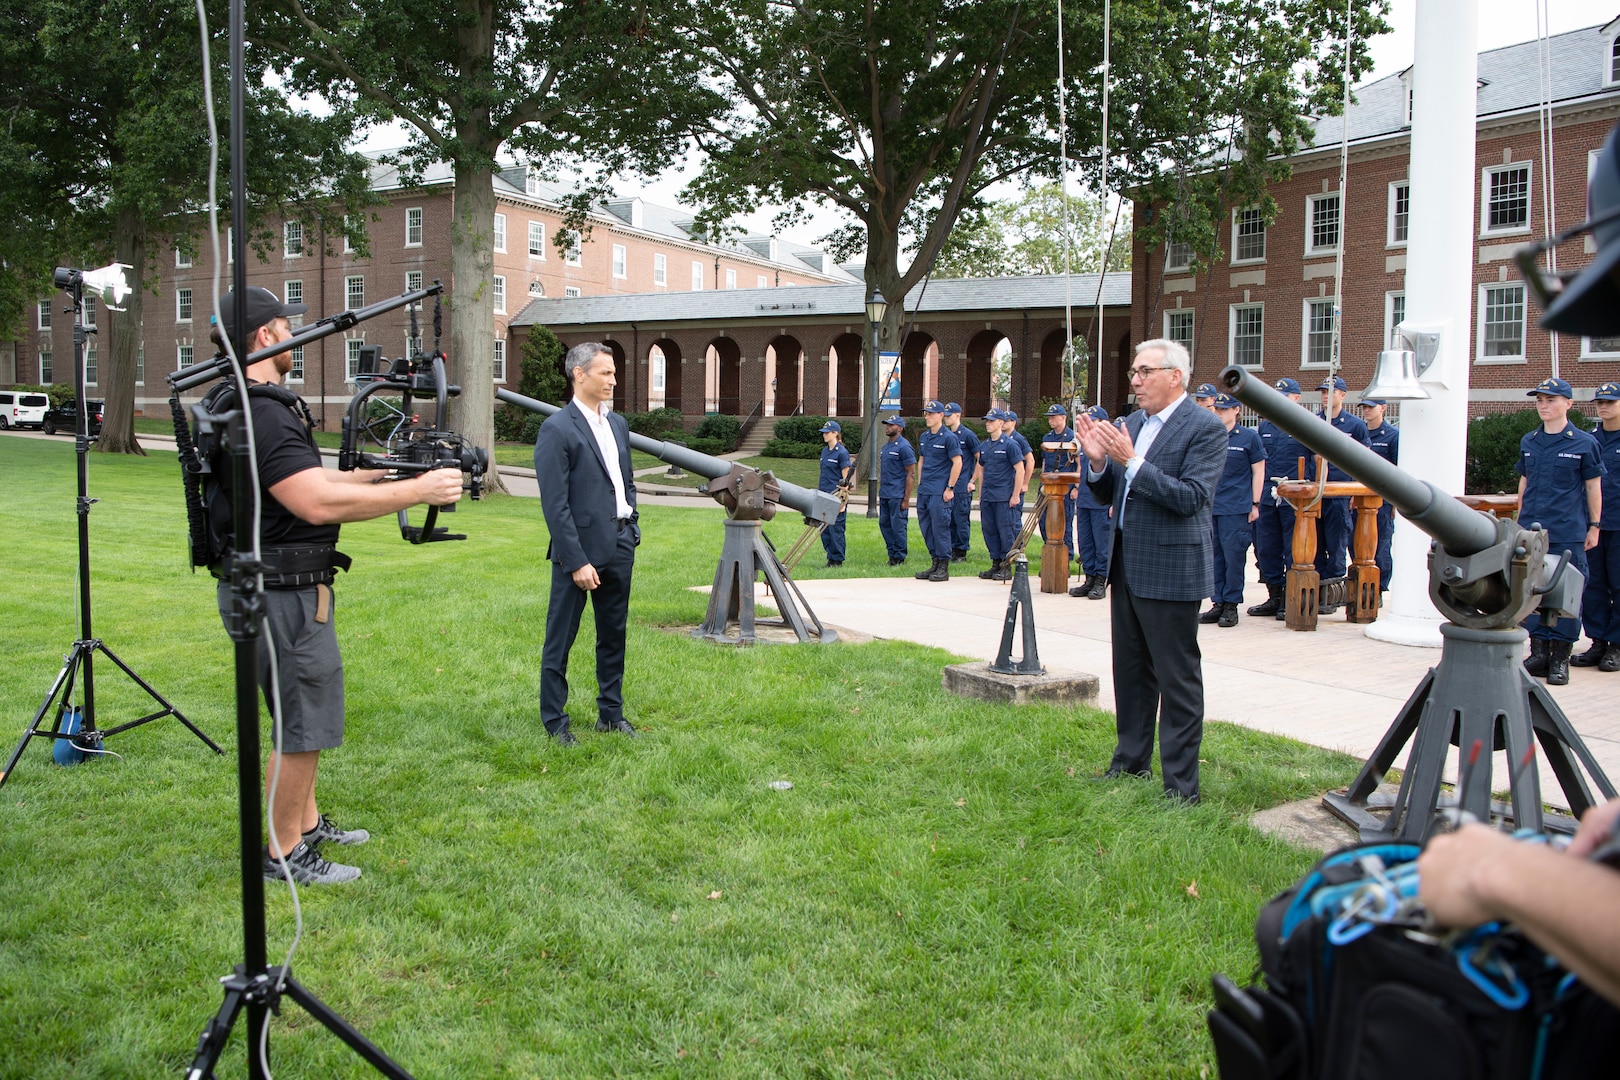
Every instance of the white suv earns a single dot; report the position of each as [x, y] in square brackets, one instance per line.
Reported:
[20, 408]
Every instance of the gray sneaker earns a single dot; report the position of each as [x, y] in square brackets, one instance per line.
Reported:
[327, 831]
[306, 867]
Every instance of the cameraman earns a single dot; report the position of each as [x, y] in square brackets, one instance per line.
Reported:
[301, 508]
[1563, 901]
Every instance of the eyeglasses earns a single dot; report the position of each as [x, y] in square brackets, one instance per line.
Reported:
[1143, 372]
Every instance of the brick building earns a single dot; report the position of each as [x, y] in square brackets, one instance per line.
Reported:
[1267, 302]
[633, 247]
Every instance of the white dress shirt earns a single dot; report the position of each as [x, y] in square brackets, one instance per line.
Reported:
[598, 420]
[1151, 426]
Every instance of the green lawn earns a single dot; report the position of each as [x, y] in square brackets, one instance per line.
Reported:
[942, 893]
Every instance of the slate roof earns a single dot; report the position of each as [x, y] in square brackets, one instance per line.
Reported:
[1035, 292]
[1511, 76]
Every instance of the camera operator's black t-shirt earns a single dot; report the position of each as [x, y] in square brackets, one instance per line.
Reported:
[285, 447]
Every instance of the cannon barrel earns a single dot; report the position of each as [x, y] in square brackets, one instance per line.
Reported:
[1461, 531]
[820, 505]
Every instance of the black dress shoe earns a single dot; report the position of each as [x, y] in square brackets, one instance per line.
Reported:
[621, 725]
[564, 737]
[1115, 773]
[1179, 799]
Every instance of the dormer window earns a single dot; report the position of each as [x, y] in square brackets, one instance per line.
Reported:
[531, 182]
[1406, 97]
[1611, 54]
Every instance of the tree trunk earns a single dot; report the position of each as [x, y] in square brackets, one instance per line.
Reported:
[472, 308]
[117, 362]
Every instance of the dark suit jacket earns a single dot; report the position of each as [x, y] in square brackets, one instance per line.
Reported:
[1166, 524]
[576, 494]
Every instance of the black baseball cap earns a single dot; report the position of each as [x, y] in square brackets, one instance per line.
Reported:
[262, 306]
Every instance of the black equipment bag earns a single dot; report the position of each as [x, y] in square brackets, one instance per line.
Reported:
[1382, 1000]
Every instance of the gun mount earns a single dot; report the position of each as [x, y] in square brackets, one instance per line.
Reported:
[750, 496]
[1485, 576]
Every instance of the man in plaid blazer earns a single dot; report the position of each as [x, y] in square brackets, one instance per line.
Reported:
[1158, 469]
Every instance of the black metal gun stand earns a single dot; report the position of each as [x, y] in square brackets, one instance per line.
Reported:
[83, 651]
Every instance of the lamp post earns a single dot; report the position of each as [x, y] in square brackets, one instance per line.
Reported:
[876, 308]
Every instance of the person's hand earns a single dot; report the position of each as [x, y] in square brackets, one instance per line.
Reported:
[587, 578]
[440, 487]
[1591, 538]
[1597, 826]
[1116, 441]
[1254, 514]
[1013, 500]
[1452, 872]
[949, 495]
[1086, 431]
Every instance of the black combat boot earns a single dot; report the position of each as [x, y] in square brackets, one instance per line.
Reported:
[1082, 588]
[1591, 657]
[1272, 604]
[1213, 615]
[1002, 572]
[941, 570]
[1558, 662]
[1229, 616]
[1099, 589]
[1536, 665]
[927, 573]
[1611, 658]
[988, 575]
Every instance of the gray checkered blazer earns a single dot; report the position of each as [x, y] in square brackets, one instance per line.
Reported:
[1166, 533]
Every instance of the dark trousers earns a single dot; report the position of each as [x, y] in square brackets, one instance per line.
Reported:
[934, 521]
[1274, 541]
[1158, 677]
[1070, 502]
[999, 523]
[892, 518]
[1095, 531]
[1564, 629]
[1333, 539]
[1229, 543]
[832, 539]
[1600, 604]
[1386, 537]
[610, 601]
[961, 520]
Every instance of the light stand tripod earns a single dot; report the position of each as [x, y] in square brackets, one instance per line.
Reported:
[82, 654]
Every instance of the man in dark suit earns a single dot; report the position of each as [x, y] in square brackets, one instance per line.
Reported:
[582, 461]
[1158, 470]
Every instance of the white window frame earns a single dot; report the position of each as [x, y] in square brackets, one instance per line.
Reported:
[183, 306]
[1390, 239]
[1237, 222]
[353, 284]
[292, 239]
[621, 261]
[47, 366]
[43, 315]
[1390, 321]
[1177, 257]
[499, 233]
[182, 261]
[296, 375]
[1231, 334]
[1306, 307]
[498, 359]
[731, 278]
[92, 365]
[1312, 249]
[1611, 57]
[762, 282]
[537, 240]
[658, 368]
[413, 224]
[1479, 328]
[1192, 328]
[90, 311]
[413, 282]
[1485, 175]
[497, 291]
[140, 363]
[660, 269]
[292, 291]
[1590, 352]
[576, 249]
[184, 356]
[571, 291]
[353, 225]
[536, 288]
[531, 182]
[351, 358]
[697, 276]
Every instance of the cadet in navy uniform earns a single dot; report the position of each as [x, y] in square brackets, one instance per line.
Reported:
[835, 469]
[1274, 531]
[1600, 604]
[899, 476]
[1560, 487]
[1235, 510]
[1009, 426]
[1094, 533]
[1055, 459]
[1204, 397]
[962, 504]
[1385, 440]
[941, 467]
[1000, 477]
[1333, 539]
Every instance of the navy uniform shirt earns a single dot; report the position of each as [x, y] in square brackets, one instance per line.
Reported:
[1352, 426]
[1054, 459]
[1556, 468]
[1385, 441]
[1022, 443]
[896, 456]
[1235, 493]
[834, 460]
[1609, 450]
[1000, 459]
[1283, 451]
[970, 456]
[937, 450]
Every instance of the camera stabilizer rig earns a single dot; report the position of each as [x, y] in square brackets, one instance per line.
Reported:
[409, 446]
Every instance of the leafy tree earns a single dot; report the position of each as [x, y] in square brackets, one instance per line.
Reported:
[1026, 236]
[581, 84]
[541, 376]
[902, 114]
[106, 116]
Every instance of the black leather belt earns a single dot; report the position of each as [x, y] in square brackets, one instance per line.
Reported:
[295, 567]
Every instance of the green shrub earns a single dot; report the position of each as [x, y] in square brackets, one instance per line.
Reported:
[712, 447]
[1035, 431]
[1493, 448]
[788, 448]
[540, 377]
[799, 429]
[660, 424]
[725, 431]
[531, 428]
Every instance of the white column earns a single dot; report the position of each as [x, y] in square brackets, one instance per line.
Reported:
[1439, 291]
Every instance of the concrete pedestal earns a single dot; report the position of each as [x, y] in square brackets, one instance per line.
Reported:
[1053, 688]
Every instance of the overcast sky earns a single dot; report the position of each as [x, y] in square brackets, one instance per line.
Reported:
[1501, 22]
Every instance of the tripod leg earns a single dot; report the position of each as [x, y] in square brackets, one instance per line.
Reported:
[168, 709]
[343, 1030]
[215, 1035]
[63, 687]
